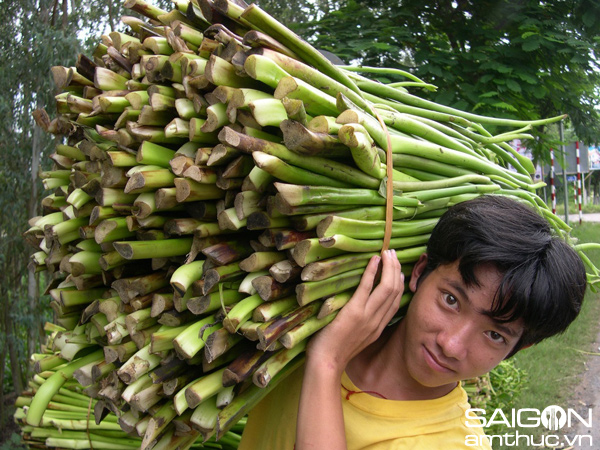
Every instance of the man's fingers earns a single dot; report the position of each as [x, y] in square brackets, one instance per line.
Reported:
[368, 279]
[389, 284]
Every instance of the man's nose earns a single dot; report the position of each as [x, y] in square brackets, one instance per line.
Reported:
[455, 339]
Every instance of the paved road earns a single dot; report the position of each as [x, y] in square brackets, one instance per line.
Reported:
[574, 218]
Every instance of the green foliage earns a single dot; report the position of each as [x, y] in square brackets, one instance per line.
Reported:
[14, 442]
[519, 59]
[498, 389]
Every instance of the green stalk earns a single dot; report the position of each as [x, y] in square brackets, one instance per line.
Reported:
[258, 180]
[107, 80]
[445, 183]
[363, 151]
[49, 362]
[261, 260]
[177, 128]
[73, 297]
[204, 416]
[316, 102]
[154, 154]
[335, 303]
[363, 229]
[426, 195]
[384, 91]
[290, 174]
[185, 275]
[309, 250]
[110, 196]
[204, 388]
[214, 301]
[409, 146]
[191, 191]
[191, 340]
[268, 111]
[264, 69]
[85, 262]
[220, 273]
[185, 108]
[246, 286]
[295, 195]
[78, 198]
[216, 117]
[271, 367]
[269, 332]
[245, 401]
[299, 139]
[139, 364]
[313, 76]
[222, 73]
[228, 220]
[144, 8]
[349, 244]
[163, 339]
[113, 229]
[51, 386]
[263, 21]
[300, 332]
[425, 129]
[153, 249]
[310, 291]
[241, 312]
[315, 164]
[218, 343]
[311, 221]
[138, 385]
[161, 419]
[110, 104]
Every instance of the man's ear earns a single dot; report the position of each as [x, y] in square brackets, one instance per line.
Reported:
[417, 271]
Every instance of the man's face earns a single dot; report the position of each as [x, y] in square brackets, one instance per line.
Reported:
[447, 337]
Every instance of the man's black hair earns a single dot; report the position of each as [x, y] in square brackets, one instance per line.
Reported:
[543, 280]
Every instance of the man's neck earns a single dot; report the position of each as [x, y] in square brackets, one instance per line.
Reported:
[380, 368]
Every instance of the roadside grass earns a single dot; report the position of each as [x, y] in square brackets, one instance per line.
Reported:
[555, 366]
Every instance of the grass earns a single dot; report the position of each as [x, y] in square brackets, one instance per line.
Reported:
[554, 367]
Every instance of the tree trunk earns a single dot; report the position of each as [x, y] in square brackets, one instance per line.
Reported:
[32, 280]
[65, 14]
[2, 369]
[15, 366]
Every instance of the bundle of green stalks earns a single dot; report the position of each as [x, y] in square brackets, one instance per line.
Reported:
[219, 192]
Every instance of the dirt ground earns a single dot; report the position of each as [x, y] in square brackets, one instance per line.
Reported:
[587, 396]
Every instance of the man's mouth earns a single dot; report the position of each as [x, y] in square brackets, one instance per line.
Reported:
[435, 363]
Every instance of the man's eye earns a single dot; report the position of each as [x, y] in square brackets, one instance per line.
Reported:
[450, 299]
[496, 337]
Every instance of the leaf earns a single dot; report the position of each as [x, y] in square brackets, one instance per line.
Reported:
[505, 106]
[513, 85]
[381, 46]
[589, 18]
[503, 69]
[530, 45]
[489, 94]
[539, 92]
[528, 34]
[527, 78]
[444, 97]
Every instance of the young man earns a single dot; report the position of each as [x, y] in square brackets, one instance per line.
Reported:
[493, 281]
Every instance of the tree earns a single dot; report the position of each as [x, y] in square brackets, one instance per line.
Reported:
[34, 36]
[521, 59]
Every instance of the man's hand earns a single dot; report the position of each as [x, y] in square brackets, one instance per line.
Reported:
[358, 324]
[362, 320]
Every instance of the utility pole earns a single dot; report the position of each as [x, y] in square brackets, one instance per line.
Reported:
[564, 164]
